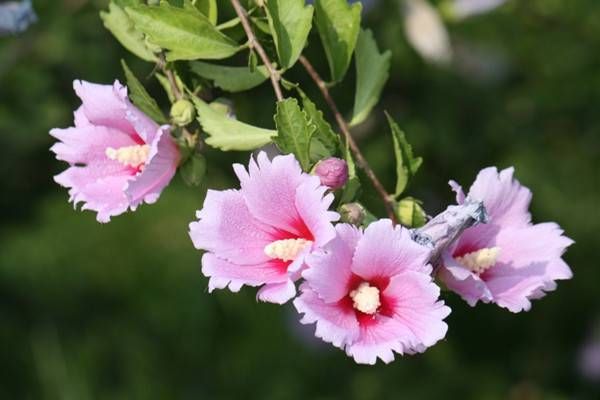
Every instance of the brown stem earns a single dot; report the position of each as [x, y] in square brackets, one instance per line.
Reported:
[253, 43]
[170, 77]
[360, 159]
[191, 139]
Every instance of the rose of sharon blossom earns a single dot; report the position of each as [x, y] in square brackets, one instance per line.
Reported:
[333, 172]
[372, 294]
[509, 260]
[118, 156]
[260, 234]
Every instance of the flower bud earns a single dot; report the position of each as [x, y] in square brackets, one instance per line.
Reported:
[352, 213]
[182, 112]
[333, 172]
[410, 213]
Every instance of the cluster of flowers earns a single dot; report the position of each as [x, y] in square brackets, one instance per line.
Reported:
[369, 291]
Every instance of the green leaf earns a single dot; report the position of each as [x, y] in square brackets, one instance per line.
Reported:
[140, 97]
[372, 71]
[119, 24]
[410, 213]
[227, 133]
[351, 190]
[290, 22]
[324, 135]
[185, 32]
[295, 131]
[208, 8]
[407, 164]
[338, 24]
[193, 170]
[231, 79]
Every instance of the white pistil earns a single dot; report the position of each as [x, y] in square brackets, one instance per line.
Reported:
[131, 156]
[480, 260]
[365, 298]
[286, 249]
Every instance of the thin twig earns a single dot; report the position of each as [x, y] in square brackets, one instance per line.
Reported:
[170, 77]
[360, 159]
[253, 43]
[192, 140]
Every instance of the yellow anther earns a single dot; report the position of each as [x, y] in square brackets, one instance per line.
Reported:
[131, 156]
[365, 298]
[286, 249]
[480, 260]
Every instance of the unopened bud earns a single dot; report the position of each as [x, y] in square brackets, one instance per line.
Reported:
[333, 172]
[410, 213]
[352, 213]
[182, 112]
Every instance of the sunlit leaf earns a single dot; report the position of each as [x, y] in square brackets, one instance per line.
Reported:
[208, 8]
[338, 24]
[290, 22]
[227, 133]
[185, 32]
[324, 137]
[407, 164]
[372, 71]
[295, 131]
[121, 26]
[231, 79]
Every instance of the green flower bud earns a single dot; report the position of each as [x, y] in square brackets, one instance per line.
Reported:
[410, 213]
[352, 213]
[182, 112]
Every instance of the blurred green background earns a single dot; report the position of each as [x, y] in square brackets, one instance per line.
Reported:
[121, 311]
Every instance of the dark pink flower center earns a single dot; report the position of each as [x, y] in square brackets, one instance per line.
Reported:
[367, 299]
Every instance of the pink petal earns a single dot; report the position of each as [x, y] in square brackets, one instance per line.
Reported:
[278, 293]
[456, 188]
[476, 238]
[329, 272]
[227, 228]
[269, 188]
[223, 273]
[80, 119]
[463, 282]
[88, 144]
[505, 199]
[102, 194]
[415, 298]
[533, 243]
[415, 324]
[159, 170]
[385, 250]
[312, 207]
[378, 340]
[103, 104]
[335, 324]
[512, 288]
[143, 125]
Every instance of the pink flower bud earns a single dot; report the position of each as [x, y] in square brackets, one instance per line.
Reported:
[333, 172]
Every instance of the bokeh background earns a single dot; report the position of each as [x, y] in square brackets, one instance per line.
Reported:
[121, 311]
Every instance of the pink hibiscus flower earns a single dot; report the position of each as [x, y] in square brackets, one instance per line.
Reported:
[372, 294]
[509, 260]
[261, 233]
[118, 156]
